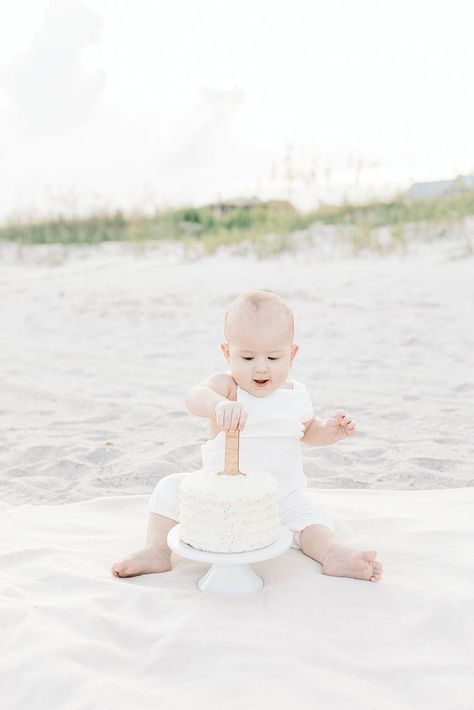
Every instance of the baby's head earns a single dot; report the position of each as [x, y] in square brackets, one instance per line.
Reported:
[259, 330]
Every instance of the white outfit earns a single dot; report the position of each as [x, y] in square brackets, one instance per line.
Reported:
[269, 442]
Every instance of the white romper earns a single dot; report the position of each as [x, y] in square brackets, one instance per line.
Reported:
[269, 442]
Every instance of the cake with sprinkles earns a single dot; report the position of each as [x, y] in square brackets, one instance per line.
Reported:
[229, 513]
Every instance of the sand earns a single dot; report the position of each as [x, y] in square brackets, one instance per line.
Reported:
[98, 353]
[99, 348]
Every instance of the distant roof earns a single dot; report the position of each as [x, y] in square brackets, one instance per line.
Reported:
[239, 202]
[466, 182]
[439, 188]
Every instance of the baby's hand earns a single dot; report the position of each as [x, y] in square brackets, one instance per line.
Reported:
[340, 426]
[230, 416]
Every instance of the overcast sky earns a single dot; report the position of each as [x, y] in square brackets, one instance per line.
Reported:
[107, 103]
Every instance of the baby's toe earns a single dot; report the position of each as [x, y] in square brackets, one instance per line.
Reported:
[367, 565]
[377, 571]
[118, 569]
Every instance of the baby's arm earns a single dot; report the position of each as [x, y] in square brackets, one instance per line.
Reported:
[338, 427]
[210, 399]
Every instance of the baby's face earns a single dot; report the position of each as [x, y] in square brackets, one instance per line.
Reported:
[259, 356]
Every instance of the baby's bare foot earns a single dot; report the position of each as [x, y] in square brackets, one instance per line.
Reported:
[151, 559]
[342, 561]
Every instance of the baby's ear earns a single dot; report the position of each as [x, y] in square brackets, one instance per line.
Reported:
[294, 350]
[225, 350]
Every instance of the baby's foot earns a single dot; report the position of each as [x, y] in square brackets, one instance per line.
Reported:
[151, 559]
[342, 561]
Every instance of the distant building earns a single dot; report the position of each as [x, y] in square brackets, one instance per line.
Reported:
[464, 183]
[439, 188]
[280, 205]
[249, 203]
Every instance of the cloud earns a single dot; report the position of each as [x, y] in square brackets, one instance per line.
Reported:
[208, 133]
[48, 88]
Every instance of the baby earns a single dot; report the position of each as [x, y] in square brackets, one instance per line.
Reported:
[256, 393]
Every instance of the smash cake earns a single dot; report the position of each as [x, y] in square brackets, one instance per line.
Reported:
[229, 511]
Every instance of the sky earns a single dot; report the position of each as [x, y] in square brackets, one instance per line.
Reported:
[149, 104]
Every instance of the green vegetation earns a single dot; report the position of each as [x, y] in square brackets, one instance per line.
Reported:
[378, 214]
[263, 230]
[204, 226]
[94, 229]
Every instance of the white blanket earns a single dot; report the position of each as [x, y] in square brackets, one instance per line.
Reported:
[73, 637]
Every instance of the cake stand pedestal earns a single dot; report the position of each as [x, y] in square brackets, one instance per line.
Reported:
[230, 572]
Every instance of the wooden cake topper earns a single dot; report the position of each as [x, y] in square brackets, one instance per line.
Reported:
[231, 465]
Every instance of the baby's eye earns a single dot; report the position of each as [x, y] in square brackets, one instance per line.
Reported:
[273, 358]
[247, 358]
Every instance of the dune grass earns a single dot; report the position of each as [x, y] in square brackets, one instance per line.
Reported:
[400, 211]
[265, 230]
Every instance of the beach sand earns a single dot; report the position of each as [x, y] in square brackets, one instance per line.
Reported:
[99, 351]
[99, 348]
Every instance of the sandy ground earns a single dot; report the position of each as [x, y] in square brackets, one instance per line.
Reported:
[100, 346]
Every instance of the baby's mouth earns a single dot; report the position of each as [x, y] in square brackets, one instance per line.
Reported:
[261, 382]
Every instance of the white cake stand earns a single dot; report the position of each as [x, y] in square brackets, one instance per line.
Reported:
[230, 572]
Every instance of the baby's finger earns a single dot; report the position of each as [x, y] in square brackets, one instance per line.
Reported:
[227, 419]
[340, 414]
[234, 420]
[243, 420]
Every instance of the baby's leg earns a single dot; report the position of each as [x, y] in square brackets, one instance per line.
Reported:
[155, 556]
[163, 515]
[319, 542]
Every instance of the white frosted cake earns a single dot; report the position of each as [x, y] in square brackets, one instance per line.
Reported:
[220, 513]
